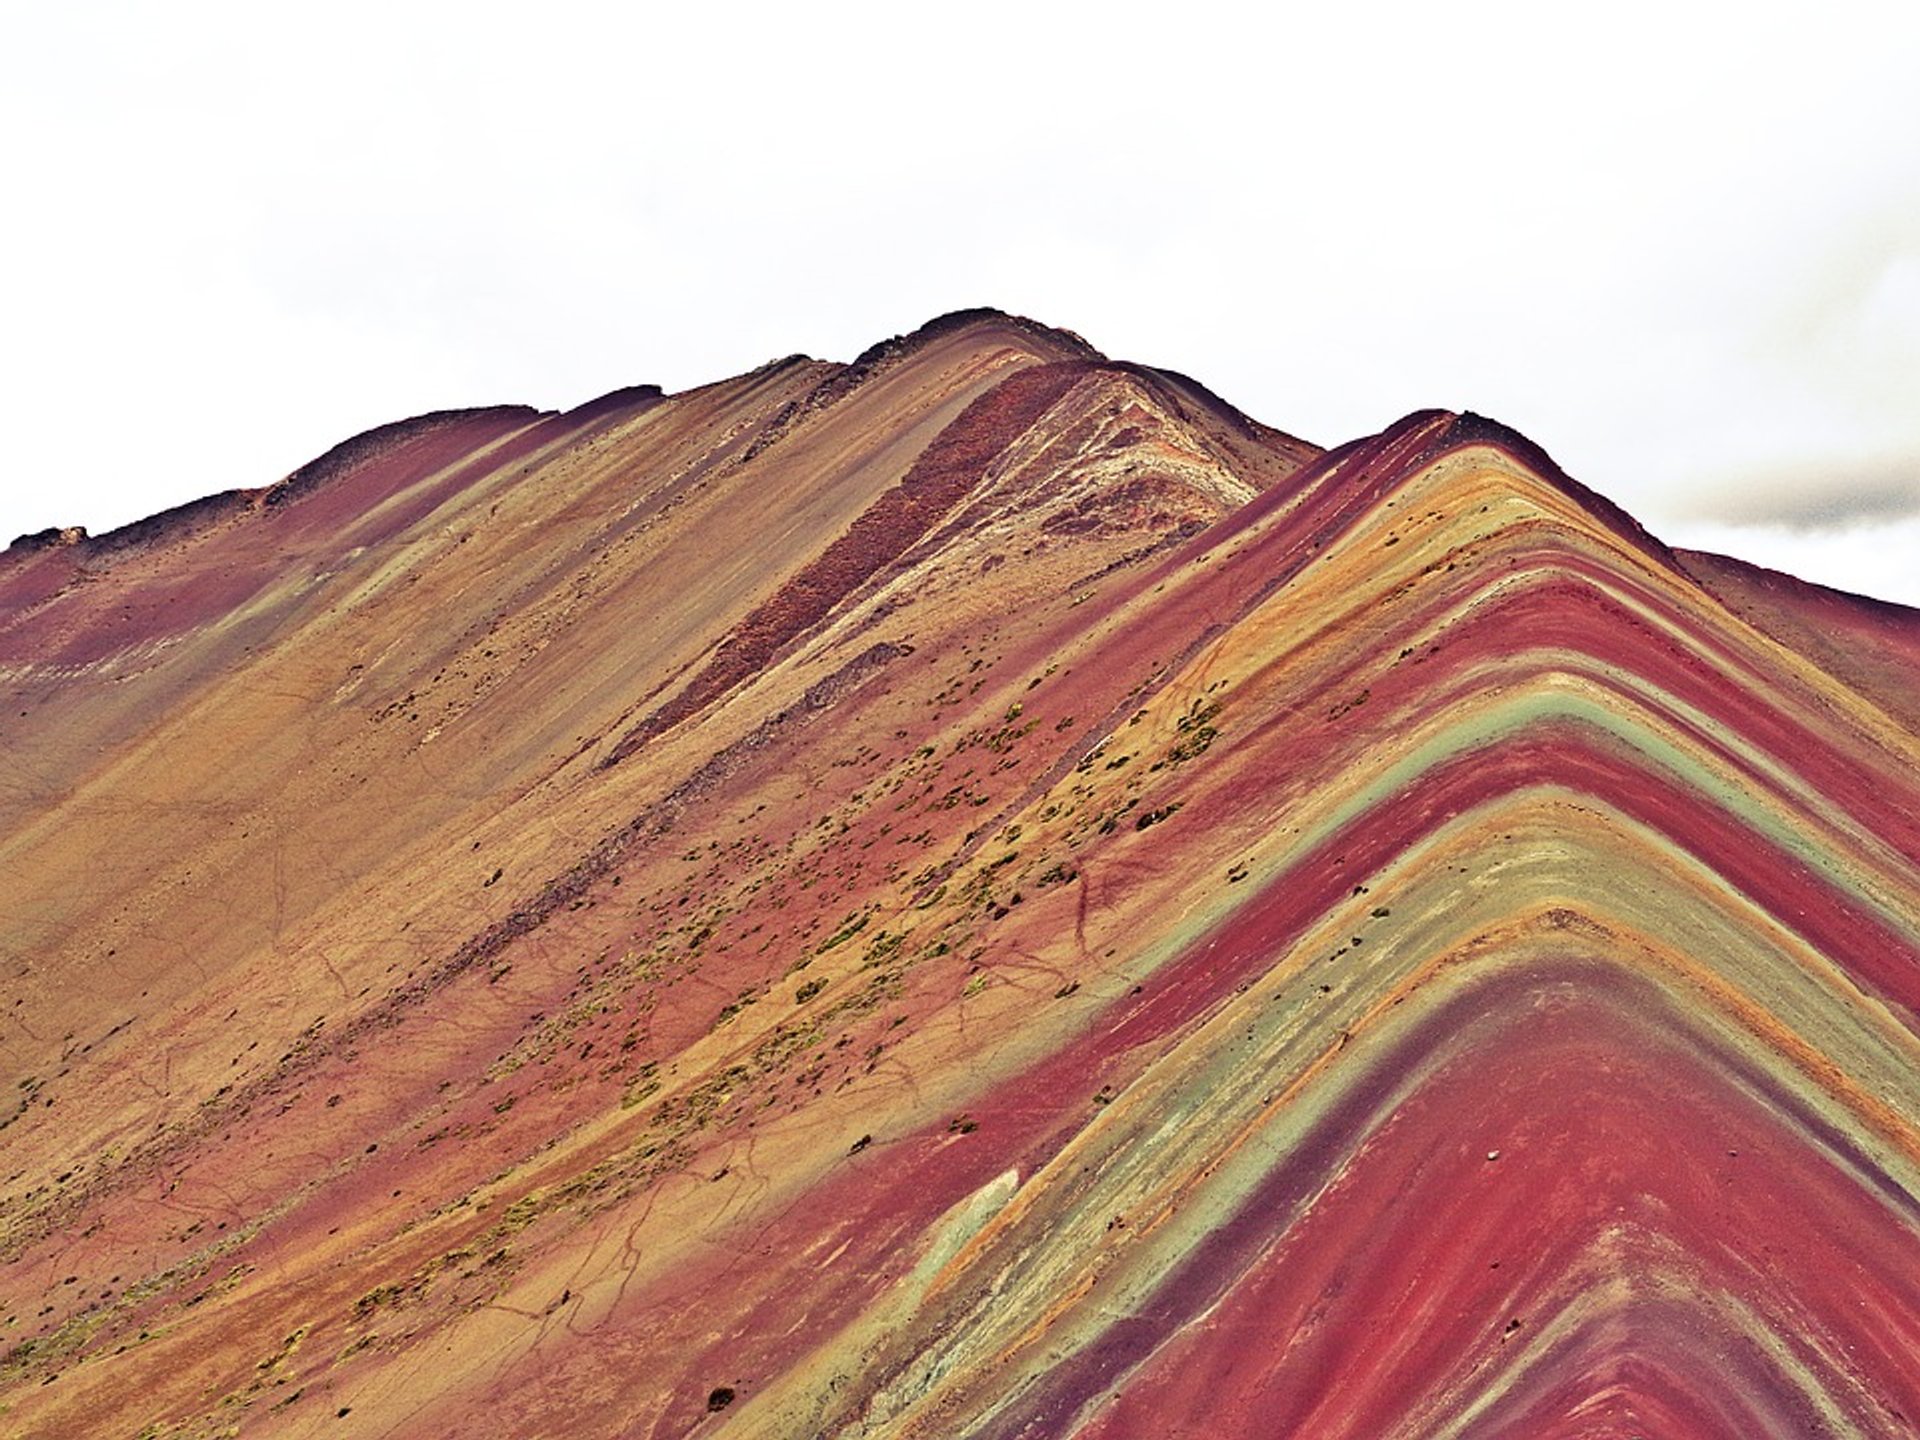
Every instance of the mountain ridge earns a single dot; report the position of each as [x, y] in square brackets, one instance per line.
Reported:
[1132, 924]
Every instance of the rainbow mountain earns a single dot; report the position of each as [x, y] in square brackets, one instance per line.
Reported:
[975, 893]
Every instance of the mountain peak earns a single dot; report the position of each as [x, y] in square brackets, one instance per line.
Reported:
[977, 891]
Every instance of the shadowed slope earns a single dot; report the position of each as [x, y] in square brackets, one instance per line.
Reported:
[1104, 922]
[1873, 645]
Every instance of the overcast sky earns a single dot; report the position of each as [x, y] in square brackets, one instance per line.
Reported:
[1677, 244]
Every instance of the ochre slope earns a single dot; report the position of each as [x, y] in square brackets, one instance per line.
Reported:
[978, 892]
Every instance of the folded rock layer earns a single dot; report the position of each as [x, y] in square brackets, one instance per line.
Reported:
[979, 892]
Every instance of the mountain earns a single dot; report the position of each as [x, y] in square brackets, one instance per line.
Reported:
[979, 892]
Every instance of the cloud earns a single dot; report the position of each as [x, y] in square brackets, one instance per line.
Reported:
[1815, 496]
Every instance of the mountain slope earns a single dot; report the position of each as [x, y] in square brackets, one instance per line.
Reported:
[979, 892]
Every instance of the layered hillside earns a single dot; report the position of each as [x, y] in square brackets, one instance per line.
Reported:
[979, 892]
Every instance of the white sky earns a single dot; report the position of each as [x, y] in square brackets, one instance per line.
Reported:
[1676, 243]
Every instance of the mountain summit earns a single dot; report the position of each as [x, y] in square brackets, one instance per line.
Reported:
[978, 892]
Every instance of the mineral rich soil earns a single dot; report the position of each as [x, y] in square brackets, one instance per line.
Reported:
[978, 892]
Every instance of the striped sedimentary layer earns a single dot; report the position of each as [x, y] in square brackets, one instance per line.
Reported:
[975, 893]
